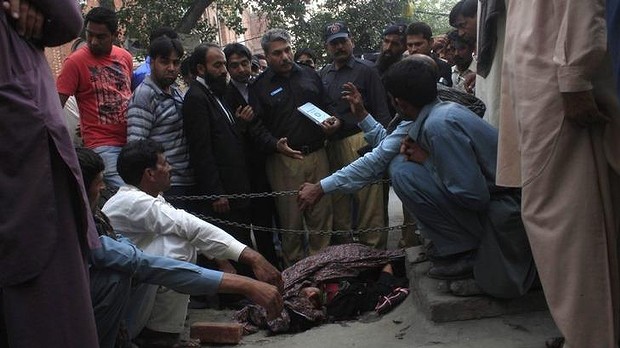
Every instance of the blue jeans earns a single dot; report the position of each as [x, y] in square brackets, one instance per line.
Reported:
[109, 154]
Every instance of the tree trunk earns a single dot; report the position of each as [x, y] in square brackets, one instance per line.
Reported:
[107, 4]
[192, 16]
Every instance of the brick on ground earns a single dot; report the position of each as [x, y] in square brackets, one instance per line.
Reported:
[216, 332]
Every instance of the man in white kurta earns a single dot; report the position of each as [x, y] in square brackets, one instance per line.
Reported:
[560, 140]
[140, 213]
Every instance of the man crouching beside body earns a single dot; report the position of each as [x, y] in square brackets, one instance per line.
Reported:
[445, 177]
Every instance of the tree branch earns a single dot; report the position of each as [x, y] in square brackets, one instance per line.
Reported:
[192, 16]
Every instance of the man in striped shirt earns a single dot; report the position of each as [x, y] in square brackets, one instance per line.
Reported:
[155, 112]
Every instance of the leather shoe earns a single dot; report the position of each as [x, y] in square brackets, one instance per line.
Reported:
[461, 268]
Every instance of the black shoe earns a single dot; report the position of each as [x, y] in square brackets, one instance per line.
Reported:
[461, 267]
[555, 342]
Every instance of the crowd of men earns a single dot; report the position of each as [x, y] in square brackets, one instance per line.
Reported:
[501, 144]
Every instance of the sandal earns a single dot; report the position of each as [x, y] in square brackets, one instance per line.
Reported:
[386, 303]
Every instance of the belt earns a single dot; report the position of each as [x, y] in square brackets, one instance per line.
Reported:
[308, 149]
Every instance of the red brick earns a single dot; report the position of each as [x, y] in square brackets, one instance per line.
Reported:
[210, 332]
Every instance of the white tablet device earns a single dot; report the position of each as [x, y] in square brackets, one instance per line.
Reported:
[314, 113]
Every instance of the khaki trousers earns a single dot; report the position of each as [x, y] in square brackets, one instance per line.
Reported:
[285, 173]
[367, 202]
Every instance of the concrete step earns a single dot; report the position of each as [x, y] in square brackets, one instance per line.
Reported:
[434, 299]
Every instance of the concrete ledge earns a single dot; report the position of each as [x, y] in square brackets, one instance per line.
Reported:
[435, 301]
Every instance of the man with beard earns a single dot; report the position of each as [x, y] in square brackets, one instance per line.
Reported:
[154, 112]
[215, 146]
[483, 24]
[393, 46]
[262, 210]
[367, 204]
[275, 96]
[463, 59]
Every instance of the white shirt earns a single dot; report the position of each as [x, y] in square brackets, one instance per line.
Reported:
[158, 228]
[243, 89]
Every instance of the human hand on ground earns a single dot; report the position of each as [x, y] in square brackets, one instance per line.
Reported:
[267, 296]
[261, 293]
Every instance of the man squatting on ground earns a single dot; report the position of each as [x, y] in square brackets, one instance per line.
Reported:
[140, 213]
[119, 263]
[450, 185]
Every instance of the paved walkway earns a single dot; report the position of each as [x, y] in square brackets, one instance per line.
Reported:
[406, 326]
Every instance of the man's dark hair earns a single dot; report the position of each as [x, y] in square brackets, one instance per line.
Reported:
[199, 56]
[163, 47]
[307, 51]
[185, 66]
[413, 80]
[465, 8]
[456, 40]
[102, 15]
[470, 8]
[135, 158]
[260, 56]
[163, 31]
[420, 28]
[238, 49]
[90, 163]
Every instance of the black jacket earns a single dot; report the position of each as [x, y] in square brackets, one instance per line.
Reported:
[215, 147]
[275, 100]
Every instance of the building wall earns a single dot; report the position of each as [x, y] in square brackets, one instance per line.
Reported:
[256, 27]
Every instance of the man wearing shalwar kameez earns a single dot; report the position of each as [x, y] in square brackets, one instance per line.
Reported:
[560, 141]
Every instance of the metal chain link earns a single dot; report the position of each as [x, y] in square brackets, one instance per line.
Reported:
[250, 195]
[302, 232]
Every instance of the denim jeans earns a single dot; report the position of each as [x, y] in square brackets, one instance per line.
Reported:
[109, 154]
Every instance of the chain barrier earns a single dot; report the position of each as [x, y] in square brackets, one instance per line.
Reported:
[250, 195]
[302, 232]
[280, 230]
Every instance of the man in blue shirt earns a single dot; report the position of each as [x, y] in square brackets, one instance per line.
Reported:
[118, 263]
[446, 178]
[448, 184]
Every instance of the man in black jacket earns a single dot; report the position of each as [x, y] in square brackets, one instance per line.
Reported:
[262, 210]
[215, 146]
